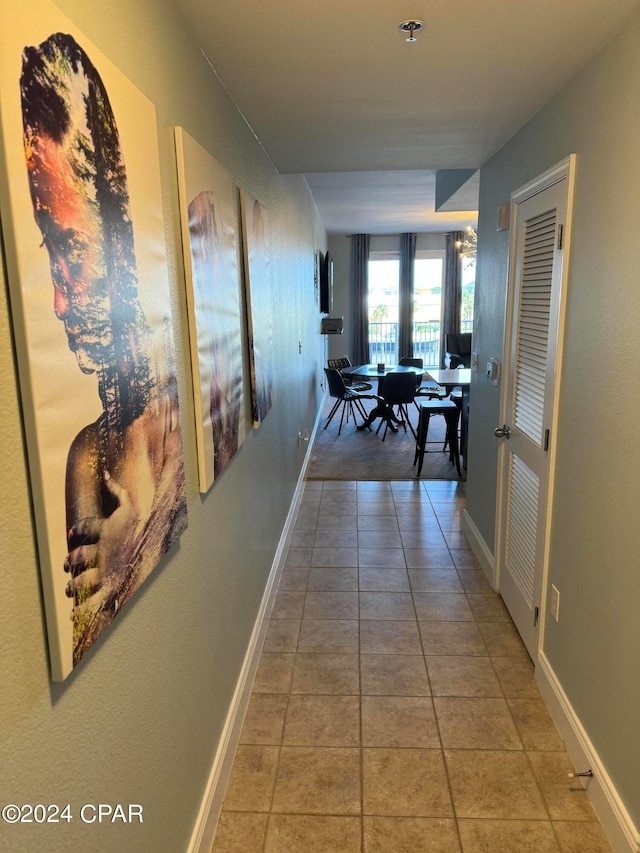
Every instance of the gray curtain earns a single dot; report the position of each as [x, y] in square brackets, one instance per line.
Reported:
[405, 327]
[360, 289]
[452, 290]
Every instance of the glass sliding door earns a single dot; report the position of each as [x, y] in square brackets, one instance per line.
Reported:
[384, 286]
[428, 306]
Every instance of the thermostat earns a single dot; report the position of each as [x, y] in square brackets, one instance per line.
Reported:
[493, 371]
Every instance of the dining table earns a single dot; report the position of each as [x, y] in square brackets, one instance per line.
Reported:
[377, 372]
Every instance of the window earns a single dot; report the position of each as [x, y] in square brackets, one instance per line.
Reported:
[384, 305]
[467, 285]
[384, 299]
[428, 286]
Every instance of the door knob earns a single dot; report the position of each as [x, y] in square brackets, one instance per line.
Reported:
[502, 432]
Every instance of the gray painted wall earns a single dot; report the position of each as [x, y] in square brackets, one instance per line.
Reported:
[140, 719]
[595, 540]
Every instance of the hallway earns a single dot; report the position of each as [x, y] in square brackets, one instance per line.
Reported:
[395, 707]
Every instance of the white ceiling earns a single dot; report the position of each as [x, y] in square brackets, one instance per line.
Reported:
[332, 87]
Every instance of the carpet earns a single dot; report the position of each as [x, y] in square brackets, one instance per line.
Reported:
[355, 455]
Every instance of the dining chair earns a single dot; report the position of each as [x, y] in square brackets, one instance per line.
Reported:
[429, 390]
[346, 398]
[398, 391]
[340, 364]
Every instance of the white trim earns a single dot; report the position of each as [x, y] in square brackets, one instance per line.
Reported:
[479, 548]
[209, 813]
[618, 826]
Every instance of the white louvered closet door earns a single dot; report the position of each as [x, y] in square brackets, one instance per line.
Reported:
[534, 323]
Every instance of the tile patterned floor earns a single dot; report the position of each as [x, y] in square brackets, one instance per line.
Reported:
[395, 707]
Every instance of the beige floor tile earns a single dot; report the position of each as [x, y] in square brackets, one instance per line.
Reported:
[379, 637]
[303, 539]
[294, 579]
[305, 522]
[298, 558]
[344, 504]
[577, 837]
[456, 540]
[339, 486]
[423, 539]
[318, 780]
[375, 505]
[288, 604]
[502, 640]
[336, 538]
[383, 580]
[377, 522]
[442, 607]
[274, 672]
[394, 675]
[428, 558]
[334, 521]
[252, 779]
[462, 676]
[282, 635]
[566, 798]
[399, 721]
[420, 519]
[333, 580]
[534, 723]
[410, 835]
[331, 605]
[434, 580]
[498, 785]
[322, 721]
[476, 723]
[517, 677]
[387, 605]
[405, 782]
[334, 557]
[381, 558]
[463, 558]
[488, 608]
[474, 580]
[238, 832]
[328, 635]
[508, 836]
[379, 539]
[264, 721]
[326, 673]
[312, 834]
[451, 638]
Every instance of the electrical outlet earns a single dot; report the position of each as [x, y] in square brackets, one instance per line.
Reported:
[555, 602]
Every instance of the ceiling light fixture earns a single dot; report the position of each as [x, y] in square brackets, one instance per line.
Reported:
[411, 27]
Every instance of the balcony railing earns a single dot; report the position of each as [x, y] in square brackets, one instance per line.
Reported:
[383, 341]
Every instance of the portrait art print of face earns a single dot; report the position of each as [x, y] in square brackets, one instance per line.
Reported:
[210, 239]
[257, 278]
[84, 238]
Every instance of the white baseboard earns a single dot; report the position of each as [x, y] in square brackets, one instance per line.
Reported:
[211, 805]
[619, 828]
[480, 548]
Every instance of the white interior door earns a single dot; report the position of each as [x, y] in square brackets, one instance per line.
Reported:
[532, 350]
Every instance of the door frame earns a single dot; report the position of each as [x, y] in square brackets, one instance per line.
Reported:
[561, 171]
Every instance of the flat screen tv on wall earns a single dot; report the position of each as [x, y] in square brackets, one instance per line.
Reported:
[326, 284]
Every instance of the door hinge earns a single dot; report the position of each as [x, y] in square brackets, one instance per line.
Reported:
[546, 439]
[560, 235]
[536, 616]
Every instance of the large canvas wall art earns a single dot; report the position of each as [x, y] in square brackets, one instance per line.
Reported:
[210, 239]
[84, 239]
[259, 311]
